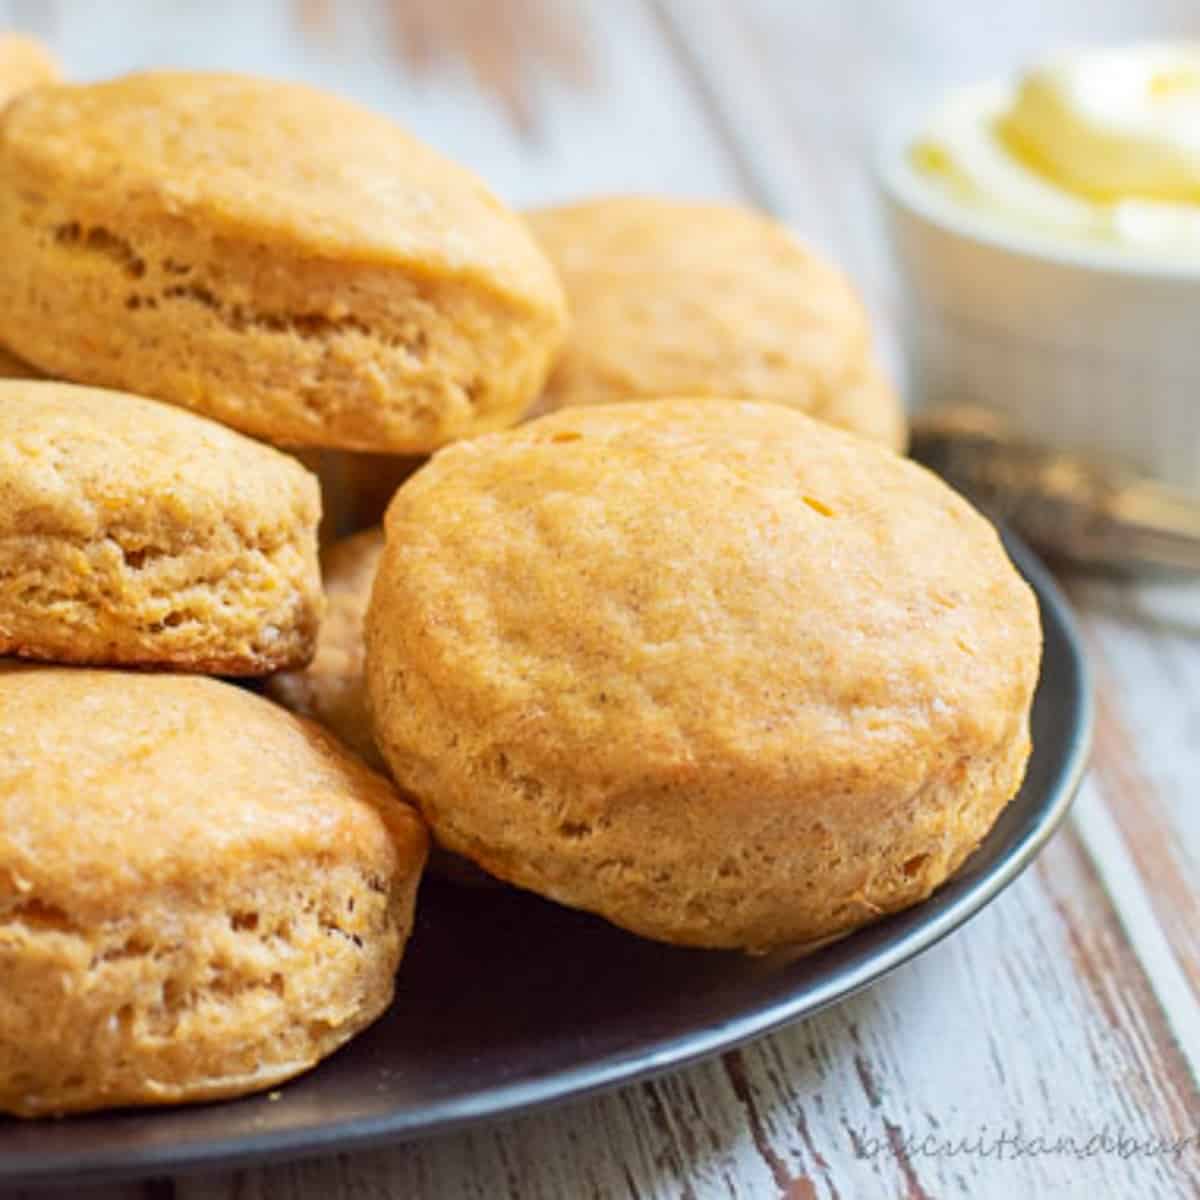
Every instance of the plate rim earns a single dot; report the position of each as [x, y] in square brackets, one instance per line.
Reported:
[673, 1053]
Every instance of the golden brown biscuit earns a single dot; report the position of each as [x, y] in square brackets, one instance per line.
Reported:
[725, 675]
[271, 256]
[680, 298]
[200, 894]
[332, 689]
[134, 534]
[24, 63]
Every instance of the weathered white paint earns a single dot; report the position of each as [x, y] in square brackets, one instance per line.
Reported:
[1118, 872]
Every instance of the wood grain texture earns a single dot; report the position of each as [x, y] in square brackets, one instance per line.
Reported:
[1068, 1009]
[1147, 759]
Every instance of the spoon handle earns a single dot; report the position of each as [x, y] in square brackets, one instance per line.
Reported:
[1084, 510]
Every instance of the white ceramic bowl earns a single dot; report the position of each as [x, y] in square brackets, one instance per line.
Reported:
[1085, 348]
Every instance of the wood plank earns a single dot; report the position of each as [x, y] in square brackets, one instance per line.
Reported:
[1147, 755]
[620, 118]
[505, 43]
[1139, 913]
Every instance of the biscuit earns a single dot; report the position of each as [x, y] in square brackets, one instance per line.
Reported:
[720, 673]
[135, 534]
[679, 298]
[200, 894]
[24, 63]
[332, 689]
[271, 256]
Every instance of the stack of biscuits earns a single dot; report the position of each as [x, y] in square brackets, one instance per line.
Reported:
[629, 597]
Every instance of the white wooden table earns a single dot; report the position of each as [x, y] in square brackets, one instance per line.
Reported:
[1071, 1007]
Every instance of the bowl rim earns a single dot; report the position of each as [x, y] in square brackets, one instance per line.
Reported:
[903, 187]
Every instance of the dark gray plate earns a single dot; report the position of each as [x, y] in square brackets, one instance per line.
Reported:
[507, 1002]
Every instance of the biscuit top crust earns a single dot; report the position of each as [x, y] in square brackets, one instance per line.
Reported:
[279, 164]
[673, 297]
[637, 596]
[81, 462]
[24, 63]
[115, 785]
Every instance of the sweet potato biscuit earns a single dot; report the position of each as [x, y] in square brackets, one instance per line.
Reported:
[135, 534]
[271, 256]
[200, 894]
[24, 63]
[677, 298]
[725, 675]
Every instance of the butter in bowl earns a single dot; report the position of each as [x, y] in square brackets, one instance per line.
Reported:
[1047, 229]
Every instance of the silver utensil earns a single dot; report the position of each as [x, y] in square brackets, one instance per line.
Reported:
[1086, 511]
